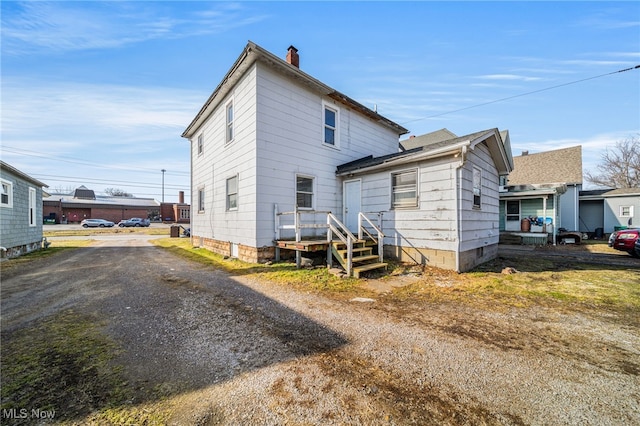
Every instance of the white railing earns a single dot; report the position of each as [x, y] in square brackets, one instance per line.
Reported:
[335, 228]
[338, 229]
[378, 238]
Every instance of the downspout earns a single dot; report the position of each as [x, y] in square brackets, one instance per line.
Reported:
[463, 155]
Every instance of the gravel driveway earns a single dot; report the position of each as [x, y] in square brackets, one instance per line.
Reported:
[232, 350]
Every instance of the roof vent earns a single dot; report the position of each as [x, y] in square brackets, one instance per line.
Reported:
[292, 57]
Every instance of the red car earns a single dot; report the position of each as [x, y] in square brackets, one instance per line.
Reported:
[625, 240]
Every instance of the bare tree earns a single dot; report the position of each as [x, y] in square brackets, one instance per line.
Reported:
[117, 192]
[620, 167]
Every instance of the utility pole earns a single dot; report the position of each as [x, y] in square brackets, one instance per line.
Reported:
[163, 170]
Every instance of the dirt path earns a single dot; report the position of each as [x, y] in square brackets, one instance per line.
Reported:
[231, 350]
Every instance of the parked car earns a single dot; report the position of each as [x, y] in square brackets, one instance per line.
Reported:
[96, 223]
[625, 240]
[134, 221]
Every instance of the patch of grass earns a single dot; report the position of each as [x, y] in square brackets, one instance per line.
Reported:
[64, 366]
[55, 248]
[546, 281]
[282, 272]
[60, 365]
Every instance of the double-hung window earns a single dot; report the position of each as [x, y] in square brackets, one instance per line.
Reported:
[32, 207]
[6, 194]
[626, 211]
[330, 120]
[404, 189]
[232, 193]
[229, 130]
[201, 200]
[200, 144]
[304, 192]
[477, 188]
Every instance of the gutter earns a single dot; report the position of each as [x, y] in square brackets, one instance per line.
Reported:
[463, 155]
[441, 152]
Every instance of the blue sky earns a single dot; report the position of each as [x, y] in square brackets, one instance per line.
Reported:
[98, 93]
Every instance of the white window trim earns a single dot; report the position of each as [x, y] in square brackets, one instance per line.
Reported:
[200, 142]
[226, 192]
[397, 172]
[332, 107]
[33, 207]
[622, 212]
[313, 189]
[231, 123]
[473, 195]
[9, 185]
[201, 189]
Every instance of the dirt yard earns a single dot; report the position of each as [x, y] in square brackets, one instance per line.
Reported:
[194, 346]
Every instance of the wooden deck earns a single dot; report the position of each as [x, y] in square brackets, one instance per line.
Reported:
[305, 245]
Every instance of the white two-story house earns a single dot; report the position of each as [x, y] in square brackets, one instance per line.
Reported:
[272, 137]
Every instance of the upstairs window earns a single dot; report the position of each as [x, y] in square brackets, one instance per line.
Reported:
[200, 144]
[477, 188]
[330, 120]
[304, 192]
[232, 193]
[404, 189]
[6, 196]
[230, 133]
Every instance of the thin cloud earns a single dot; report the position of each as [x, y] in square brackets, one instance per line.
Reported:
[507, 77]
[71, 26]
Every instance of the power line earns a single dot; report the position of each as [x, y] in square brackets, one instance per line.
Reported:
[522, 94]
[105, 182]
[29, 153]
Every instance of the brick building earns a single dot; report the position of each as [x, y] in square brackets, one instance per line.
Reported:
[179, 212]
[83, 203]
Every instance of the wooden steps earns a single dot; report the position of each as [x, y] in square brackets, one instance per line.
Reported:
[363, 258]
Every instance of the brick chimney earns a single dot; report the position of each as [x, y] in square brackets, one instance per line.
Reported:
[181, 197]
[292, 57]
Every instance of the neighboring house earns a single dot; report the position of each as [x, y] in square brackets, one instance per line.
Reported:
[272, 139]
[20, 212]
[603, 211]
[544, 185]
[83, 203]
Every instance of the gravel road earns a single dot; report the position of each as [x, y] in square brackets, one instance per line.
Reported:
[234, 350]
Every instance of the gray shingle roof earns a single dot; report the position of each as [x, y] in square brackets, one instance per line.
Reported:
[557, 166]
[427, 139]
